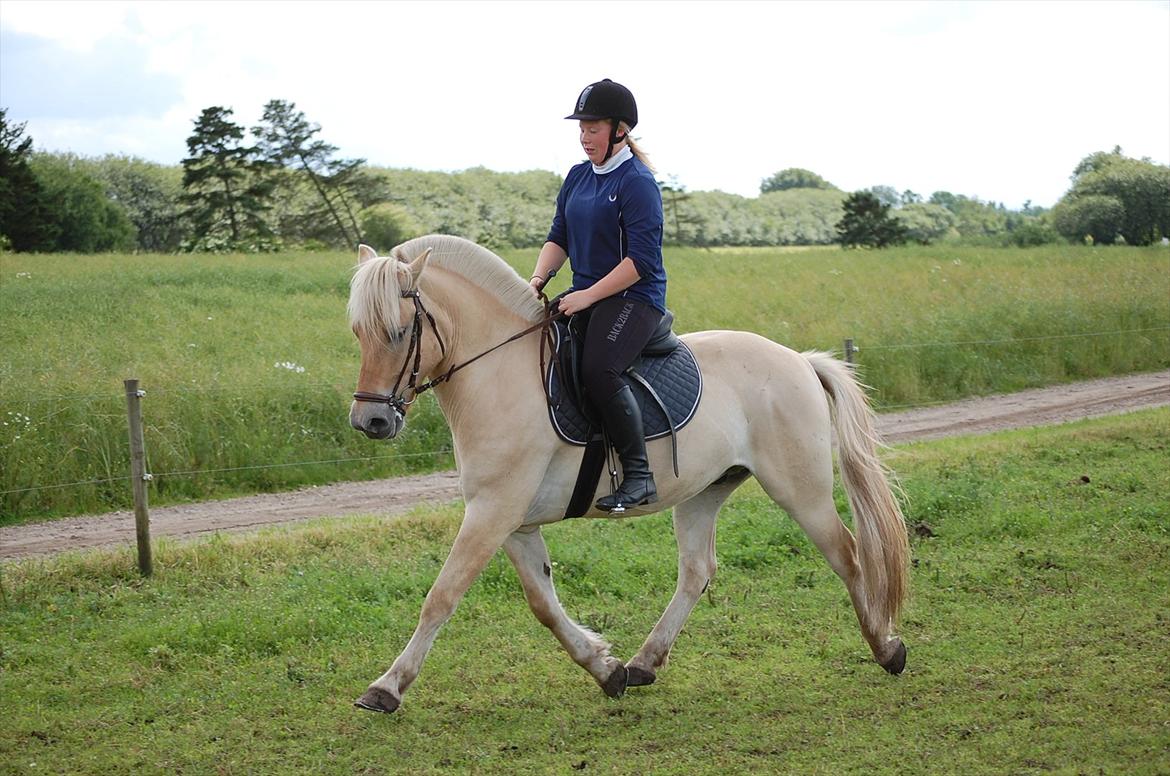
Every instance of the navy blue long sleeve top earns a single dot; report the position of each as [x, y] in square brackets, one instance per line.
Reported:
[601, 218]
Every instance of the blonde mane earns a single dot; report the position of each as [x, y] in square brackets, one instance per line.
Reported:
[377, 284]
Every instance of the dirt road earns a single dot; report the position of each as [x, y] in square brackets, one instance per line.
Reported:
[394, 496]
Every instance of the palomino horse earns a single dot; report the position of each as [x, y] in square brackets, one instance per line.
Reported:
[439, 306]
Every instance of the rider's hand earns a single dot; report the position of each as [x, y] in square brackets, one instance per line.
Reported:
[573, 303]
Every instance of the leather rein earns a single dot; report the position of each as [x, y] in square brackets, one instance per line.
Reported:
[414, 354]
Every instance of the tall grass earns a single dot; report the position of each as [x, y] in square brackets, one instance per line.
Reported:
[1037, 634]
[248, 362]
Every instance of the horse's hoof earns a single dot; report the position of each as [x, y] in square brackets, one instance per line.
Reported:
[615, 685]
[375, 699]
[896, 664]
[639, 677]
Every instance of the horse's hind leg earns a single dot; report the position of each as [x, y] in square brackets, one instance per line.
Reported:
[694, 528]
[528, 553]
[817, 515]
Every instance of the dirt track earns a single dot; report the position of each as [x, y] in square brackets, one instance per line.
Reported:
[394, 496]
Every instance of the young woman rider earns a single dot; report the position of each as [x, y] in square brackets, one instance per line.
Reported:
[608, 223]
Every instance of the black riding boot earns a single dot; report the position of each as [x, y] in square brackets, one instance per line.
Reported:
[623, 423]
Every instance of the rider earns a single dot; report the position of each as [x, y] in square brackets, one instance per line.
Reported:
[609, 221]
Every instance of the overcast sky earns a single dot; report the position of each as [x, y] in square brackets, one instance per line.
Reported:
[997, 100]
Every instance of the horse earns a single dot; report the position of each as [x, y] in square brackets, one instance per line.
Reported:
[447, 308]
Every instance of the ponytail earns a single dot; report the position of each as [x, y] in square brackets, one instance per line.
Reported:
[639, 154]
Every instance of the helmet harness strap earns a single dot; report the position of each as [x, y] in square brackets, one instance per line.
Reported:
[614, 138]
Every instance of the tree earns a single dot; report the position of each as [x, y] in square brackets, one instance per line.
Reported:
[149, 193]
[286, 139]
[675, 198]
[867, 223]
[926, 223]
[887, 195]
[85, 219]
[226, 187]
[974, 219]
[794, 178]
[25, 219]
[1115, 196]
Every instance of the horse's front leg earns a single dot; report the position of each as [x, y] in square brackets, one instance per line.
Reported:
[694, 528]
[528, 553]
[482, 533]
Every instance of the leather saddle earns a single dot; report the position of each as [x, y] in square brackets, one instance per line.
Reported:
[665, 380]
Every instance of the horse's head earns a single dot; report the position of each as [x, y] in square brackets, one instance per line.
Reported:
[398, 339]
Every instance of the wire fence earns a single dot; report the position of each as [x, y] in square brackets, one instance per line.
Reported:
[965, 343]
[855, 348]
[199, 472]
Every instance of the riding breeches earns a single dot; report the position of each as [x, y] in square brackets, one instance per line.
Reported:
[618, 329]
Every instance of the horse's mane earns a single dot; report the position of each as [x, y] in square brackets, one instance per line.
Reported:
[376, 287]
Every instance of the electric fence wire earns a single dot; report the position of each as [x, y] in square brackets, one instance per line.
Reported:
[196, 472]
[238, 388]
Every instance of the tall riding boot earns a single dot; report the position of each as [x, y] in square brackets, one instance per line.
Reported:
[623, 422]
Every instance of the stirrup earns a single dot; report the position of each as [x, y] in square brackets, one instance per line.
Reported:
[620, 506]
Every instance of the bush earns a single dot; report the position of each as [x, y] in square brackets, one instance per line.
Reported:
[1097, 216]
[1032, 233]
[386, 224]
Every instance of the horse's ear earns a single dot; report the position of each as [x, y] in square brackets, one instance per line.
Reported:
[417, 266]
[365, 253]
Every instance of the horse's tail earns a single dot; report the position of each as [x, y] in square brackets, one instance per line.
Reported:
[883, 550]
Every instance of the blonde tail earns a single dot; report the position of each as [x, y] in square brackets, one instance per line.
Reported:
[882, 546]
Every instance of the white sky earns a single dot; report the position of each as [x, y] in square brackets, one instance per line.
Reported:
[997, 100]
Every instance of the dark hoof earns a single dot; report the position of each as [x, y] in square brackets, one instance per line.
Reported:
[375, 699]
[639, 677]
[615, 685]
[897, 663]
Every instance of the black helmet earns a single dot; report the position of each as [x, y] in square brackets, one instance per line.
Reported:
[606, 100]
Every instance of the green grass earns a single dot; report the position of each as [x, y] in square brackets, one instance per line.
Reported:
[212, 338]
[1037, 636]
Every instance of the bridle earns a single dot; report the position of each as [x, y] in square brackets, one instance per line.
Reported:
[414, 354]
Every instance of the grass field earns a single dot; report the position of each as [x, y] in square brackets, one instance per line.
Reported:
[248, 362]
[1037, 635]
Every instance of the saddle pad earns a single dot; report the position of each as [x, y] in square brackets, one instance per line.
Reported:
[675, 378]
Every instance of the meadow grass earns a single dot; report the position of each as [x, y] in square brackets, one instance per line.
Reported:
[248, 361]
[1037, 635]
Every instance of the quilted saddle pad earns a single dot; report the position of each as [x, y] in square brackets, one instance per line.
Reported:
[674, 377]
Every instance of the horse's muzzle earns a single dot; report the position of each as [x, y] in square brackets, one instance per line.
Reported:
[376, 421]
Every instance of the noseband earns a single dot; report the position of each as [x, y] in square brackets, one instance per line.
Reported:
[395, 398]
[414, 352]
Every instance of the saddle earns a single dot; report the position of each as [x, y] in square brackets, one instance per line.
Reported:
[665, 380]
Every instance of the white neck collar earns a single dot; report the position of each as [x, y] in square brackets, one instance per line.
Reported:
[615, 161]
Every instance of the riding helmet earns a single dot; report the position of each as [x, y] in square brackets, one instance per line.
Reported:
[606, 99]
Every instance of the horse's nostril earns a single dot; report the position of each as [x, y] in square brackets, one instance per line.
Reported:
[377, 424]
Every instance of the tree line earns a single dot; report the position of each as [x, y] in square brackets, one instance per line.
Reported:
[278, 185]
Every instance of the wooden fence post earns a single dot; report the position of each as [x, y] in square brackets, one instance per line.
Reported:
[138, 475]
[850, 351]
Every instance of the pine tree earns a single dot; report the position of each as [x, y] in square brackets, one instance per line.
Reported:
[25, 217]
[867, 223]
[226, 186]
[286, 139]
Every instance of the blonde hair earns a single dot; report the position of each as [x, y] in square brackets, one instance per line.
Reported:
[639, 154]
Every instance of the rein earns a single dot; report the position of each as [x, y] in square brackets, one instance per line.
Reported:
[395, 399]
